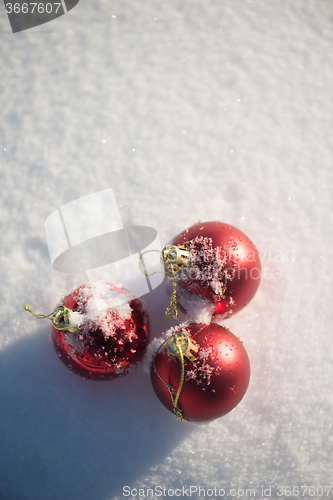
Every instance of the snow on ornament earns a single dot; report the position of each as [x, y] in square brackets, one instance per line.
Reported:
[99, 344]
[212, 267]
[199, 372]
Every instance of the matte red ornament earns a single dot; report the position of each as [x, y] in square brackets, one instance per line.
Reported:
[216, 379]
[108, 343]
[224, 267]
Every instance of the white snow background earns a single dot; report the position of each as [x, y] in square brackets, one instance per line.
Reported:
[188, 110]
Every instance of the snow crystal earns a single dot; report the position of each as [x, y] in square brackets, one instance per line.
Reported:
[107, 320]
[75, 319]
[202, 370]
[198, 309]
[219, 318]
[210, 266]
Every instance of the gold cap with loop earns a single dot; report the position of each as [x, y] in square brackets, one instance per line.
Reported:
[60, 317]
[178, 346]
[181, 342]
[175, 257]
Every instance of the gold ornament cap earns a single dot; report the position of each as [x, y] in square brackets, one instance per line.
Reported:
[61, 319]
[180, 342]
[174, 257]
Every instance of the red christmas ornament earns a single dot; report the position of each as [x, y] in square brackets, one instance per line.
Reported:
[100, 344]
[214, 261]
[201, 372]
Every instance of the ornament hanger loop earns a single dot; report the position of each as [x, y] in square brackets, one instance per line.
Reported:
[178, 345]
[38, 316]
[175, 258]
[60, 317]
[140, 263]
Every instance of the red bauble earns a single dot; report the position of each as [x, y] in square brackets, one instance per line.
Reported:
[108, 343]
[224, 267]
[214, 383]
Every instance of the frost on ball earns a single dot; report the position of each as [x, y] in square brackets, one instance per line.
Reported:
[214, 381]
[223, 274]
[109, 342]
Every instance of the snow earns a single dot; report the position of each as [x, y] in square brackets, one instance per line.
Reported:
[75, 319]
[189, 111]
[215, 263]
[113, 315]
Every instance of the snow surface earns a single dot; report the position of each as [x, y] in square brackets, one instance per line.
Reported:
[188, 110]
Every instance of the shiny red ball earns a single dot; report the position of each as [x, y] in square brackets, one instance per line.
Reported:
[214, 383]
[110, 342]
[225, 267]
